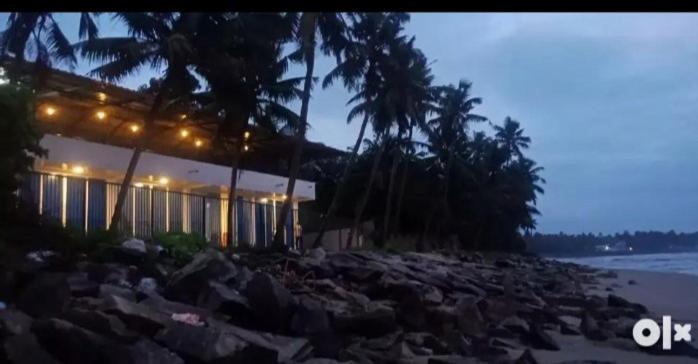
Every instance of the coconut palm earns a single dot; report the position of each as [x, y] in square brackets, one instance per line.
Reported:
[371, 34]
[155, 41]
[39, 36]
[332, 30]
[511, 137]
[243, 67]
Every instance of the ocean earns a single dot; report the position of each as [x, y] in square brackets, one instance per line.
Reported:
[667, 262]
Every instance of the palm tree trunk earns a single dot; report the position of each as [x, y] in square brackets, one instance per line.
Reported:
[444, 200]
[391, 187]
[382, 139]
[232, 194]
[309, 45]
[342, 183]
[401, 192]
[128, 178]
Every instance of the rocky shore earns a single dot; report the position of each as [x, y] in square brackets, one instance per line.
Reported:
[318, 308]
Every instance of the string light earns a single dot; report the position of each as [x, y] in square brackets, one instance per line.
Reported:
[135, 128]
[102, 96]
[50, 110]
[138, 184]
[198, 143]
[184, 133]
[247, 135]
[78, 169]
[264, 200]
[101, 115]
[163, 180]
[246, 148]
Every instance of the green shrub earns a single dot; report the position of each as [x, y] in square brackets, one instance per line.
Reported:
[181, 246]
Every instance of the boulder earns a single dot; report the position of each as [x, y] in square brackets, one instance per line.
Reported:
[134, 244]
[106, 290]
[145, 351]
[80, 285]
[137, 316]
[146, 285]
[218, 297]
[46, 295]
[526, 358]
[186, 284]
[310, 318]
[73, 344]
[516, 324]
[208, 345]
[317, 253]
[14, 322]
[375, 322]
[539, 339]
[615, 301]
[272, 304]
[101, 323]
[591, 330]
[25, 349]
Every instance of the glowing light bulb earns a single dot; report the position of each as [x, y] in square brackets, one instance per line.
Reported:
[198, 143]
[163, 180]
[50, 110]
[247, 135]
[135, 128]
[78, 169]
[246, 148]
[102, 96]
[264, 200]
[138, 184]
[184, 133]
[101, 115]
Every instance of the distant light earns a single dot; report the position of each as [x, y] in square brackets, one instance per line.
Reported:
[102, 96]
[198, 143]
[264, 200]
[50, 110]
[101, 115]
[606, 247]
[247, 135]
[184, 133]
[284, 197]
[246, 148]
[630, 248]
[163, 180]
[150, 178]
[138, 184]
[78, 169]
[135, 128]
[183, 116]
[64, 166]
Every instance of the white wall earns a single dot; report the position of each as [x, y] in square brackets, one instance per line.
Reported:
[108, 157]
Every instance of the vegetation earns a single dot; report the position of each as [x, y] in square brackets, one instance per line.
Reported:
[422, 172]
[181, 246]
[642, 242]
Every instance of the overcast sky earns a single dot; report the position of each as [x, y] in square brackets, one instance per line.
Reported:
[610, 101]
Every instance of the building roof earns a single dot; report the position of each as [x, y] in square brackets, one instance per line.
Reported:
[76, 106]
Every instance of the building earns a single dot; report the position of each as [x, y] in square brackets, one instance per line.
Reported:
[181, 181]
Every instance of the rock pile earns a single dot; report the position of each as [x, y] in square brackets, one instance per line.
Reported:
[321, 308]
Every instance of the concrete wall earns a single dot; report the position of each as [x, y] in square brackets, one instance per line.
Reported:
[108, 157]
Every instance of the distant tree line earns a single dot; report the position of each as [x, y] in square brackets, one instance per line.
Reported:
[642, 242]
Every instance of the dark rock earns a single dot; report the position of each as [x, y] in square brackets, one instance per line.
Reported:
[14, 322]
[539, 339]
[376, 322]
[591, 330]
[309, 318]
[73, 344]
[185, 284]
[80, 285]
[568, 330]
[272, 304]
[25, 349]
[138, 317]
[615, 301]
[526, 358]
[213, 345]
[317, 253]
[171, 307]
[457, 343]
[47, 295]
[106, 290]
[516, 324]
[147, 352]
[218, 297]
[100, 323]
[504, 263]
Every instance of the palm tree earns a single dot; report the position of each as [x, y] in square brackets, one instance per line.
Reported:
[331, 27]
[154, 40]
[448, 131]
[243, 66]
[511, 137]
[39, 35]
[371, 35]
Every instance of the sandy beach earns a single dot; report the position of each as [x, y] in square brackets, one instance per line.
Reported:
[672, 294]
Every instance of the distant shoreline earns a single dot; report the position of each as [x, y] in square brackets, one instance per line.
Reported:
[611, 254]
